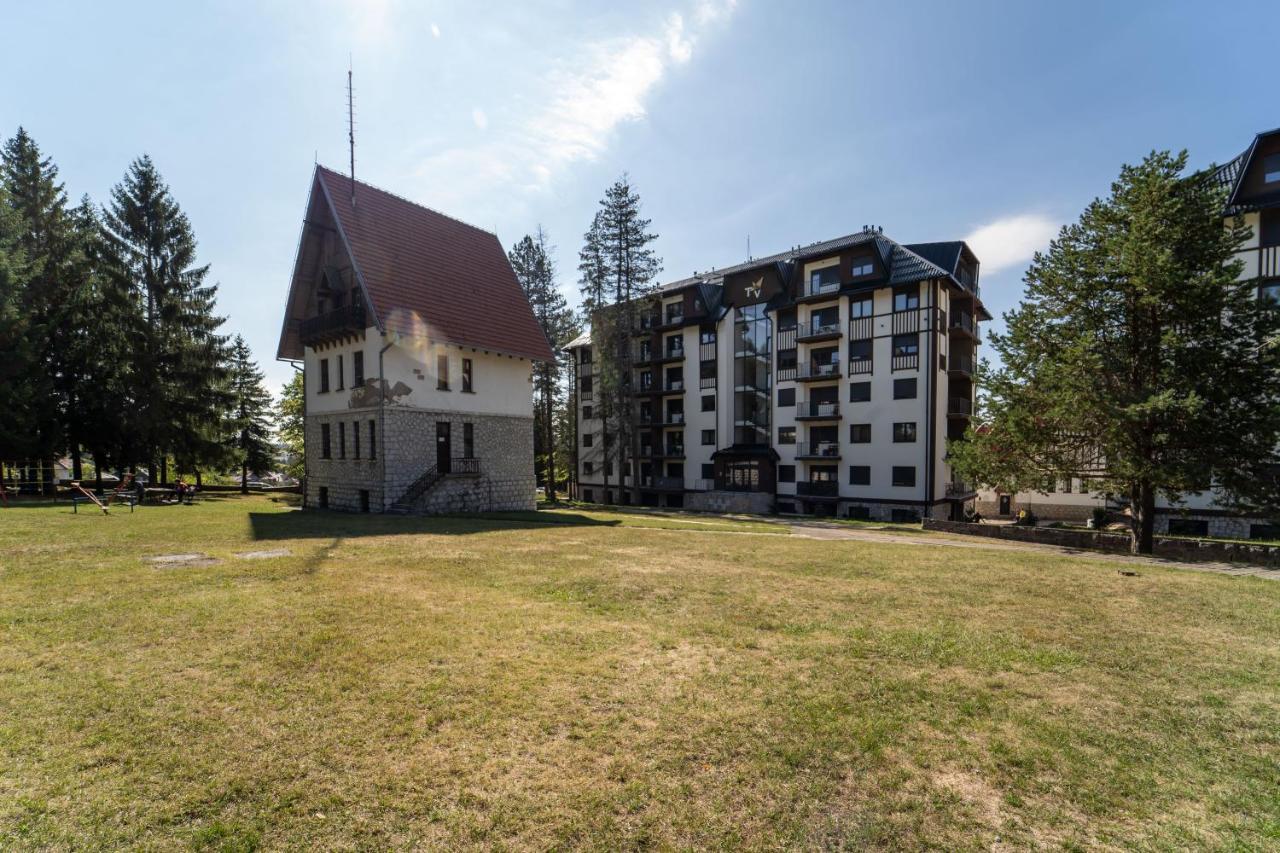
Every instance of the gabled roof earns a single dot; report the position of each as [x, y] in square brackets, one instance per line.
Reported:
[422, 271]
[945, 255]
[1232, 173]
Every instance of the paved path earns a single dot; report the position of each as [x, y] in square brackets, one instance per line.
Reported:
[827, 531]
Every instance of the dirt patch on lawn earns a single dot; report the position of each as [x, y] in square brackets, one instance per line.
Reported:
[173, 561]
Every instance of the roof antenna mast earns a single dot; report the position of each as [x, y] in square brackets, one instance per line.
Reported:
[351, 131]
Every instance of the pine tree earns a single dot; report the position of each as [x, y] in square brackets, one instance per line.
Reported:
[250, 429]
[1137, 346]
[631, 266]
[18, 368]
[535, 270]
[177, 355]
[291, 426]
[593, 284]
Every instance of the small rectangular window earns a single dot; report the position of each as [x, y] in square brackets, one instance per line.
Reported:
[342, 374]
[708, 402]
[906, 345]
[587, 439]
[859, 392]
[860, 350]
[588, 496]
[357, 369]
[860, 433]
[906, 299]
[355, 439]
[859, 475]
[364, 500]
[786, 435]
[1269, 227]
[373, 440]
[786, 397]
[466, 374]
[586, 413]
[859, 308]
[708, 436]
[786, 473]
[342, 439]
[586, 385]
[468, 441]
[1188, 527]
[904, 389]
[904, 475]
[586, 469]
[325, 449]
[442, 373]
[904, 432]
[1271, 168]
[863, 265]
[324, 375]
[324, 497]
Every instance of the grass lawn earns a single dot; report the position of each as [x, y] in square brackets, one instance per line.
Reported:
[608, 680]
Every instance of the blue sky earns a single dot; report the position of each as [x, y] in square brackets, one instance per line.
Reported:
[788, 122]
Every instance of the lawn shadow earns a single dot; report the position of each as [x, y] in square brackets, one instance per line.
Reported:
[316, 524]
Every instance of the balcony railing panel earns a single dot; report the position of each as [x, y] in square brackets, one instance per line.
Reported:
[963, 322]
[959, 406]
[905, 322]
[961, 363]
[823, 449]
[332, 324]
[826, 289]
[818, 329]
[818, 488]
[707, 351]
[818, 370]
[673, 385]
[859, 366]
[909, 361]
[956, 488]
[787, 338]
[861, 328]
[812, 409]
[673, 419]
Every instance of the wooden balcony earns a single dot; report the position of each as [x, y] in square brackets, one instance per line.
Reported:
[962, 325]
[961, 365]
[332, 325]
[959, 407]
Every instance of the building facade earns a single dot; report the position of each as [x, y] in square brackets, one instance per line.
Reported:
[416, 345]
[1252, 183]
[822, 381]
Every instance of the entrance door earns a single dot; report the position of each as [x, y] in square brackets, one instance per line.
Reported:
[444, 447]
[1004, 504]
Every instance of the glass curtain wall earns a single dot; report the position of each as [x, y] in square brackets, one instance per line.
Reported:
[752, 375]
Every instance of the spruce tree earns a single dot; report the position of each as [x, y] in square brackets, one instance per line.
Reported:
[593, 284]
[176, 352]
[250, 428]
[18, 369]
[534, 268]
[291, 426]
[1137, 351]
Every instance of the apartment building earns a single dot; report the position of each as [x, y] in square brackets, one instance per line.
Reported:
[416, 345]
[1252, 182]
[824, 380]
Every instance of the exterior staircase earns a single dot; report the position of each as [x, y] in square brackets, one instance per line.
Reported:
[404, 505]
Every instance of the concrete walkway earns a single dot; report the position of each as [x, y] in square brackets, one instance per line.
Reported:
[829, 531]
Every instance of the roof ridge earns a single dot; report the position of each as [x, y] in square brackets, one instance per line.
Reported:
[408, 201]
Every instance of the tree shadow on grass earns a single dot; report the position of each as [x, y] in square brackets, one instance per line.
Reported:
[317, 524]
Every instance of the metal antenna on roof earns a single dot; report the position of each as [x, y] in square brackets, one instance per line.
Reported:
[351, 131]
[748, 247]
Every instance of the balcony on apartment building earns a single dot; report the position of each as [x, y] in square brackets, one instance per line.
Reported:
[963, 326]
[332, 325]
[672, 419]
[959, 407]
[814, 410]
[828, 489]
[961, 365]
[960, 489]
[673, 386]
[671, 450]
[673, 353]
[642, 354]
[672, 317]
[818, 329]
[646, 321]
[817, 371]
[818, 450]
[819, 288]
[662, 483]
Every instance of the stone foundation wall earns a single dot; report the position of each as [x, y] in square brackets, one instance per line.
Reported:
[754, 503]
[1047, 510]
[503, 445]
[343, 479]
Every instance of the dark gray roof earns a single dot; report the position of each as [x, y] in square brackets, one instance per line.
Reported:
[1229, 175]
[945, 255]
[904, 265]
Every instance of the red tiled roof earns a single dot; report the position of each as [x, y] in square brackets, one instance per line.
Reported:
[427, 271]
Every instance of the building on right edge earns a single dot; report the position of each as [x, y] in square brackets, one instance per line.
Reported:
[1252, 181]
[825, 380]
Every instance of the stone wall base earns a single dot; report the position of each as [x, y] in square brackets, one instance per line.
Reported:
[753, 503]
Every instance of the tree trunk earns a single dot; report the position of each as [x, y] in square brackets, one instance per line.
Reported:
[244, 478]
[49, 485]
[97, 470]
[77, 468]
[551, 445]
[199, 482]
[164, 470]
[1143, 507]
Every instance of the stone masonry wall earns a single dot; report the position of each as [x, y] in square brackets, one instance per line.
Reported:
[756, 503]
[503, 445]
[343, 478]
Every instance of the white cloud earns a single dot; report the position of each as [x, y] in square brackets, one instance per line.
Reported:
[1011, 241]
[478, 116]
[435, 30]
[605, 87]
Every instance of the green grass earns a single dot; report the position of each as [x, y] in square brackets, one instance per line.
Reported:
[608, 681]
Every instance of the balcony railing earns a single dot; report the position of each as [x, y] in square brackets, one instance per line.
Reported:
[647, 320]
[812, 288]
[861, 328]
[818, 329]
[960, 406]
[818, 370]
[707, 351]
[673, 419]
[332, 324]
[818, 450]
[704, 485]
[906, 361]
[465, 465]
[812, 409]
[961, 363]
[674, 450]
[673, 385]
[859, 365]
[957, 488]
[963, 322]
[673, 318]
[906, 322]
[663, 482]
[787, 337]
[674, 352]
[818, 488]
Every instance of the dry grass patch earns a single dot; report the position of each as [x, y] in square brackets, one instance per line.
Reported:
[595, 682]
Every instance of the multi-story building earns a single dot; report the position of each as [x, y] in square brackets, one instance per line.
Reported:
[416, 344]
[1252, 183]
[823, 380]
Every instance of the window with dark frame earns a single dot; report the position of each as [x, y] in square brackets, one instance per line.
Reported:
[342, 439]
[355, 439]
[904, 389]
[708, 436]
[342, 374]
[466, 375]
[862, 266]
[1270, 290]
[859, 433]
[859, 308]
[586, 413]
[708, 470]
[1269, 227]
[906, 344]
[1271, 168]
[468, 441]
[786, 397]
[906, 299]
[373, 440]
[904, 432]
[786, 473]
[859, 475]
[586, 385]
[357, 369]
[324, 375]
[786, 435]
[442, 373]
[904, 475]
[708, 402]
[859, 392]
[586, 468]
[325, 449]
[587, 439]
